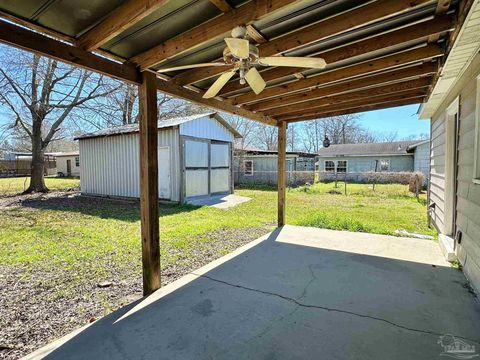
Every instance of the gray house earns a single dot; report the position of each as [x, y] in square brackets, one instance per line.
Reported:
[255, 166]
[354, 161]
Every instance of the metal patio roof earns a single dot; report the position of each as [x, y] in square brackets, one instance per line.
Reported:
[380, 53]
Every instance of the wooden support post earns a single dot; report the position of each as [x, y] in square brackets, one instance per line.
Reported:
[281, 173]
[149, 183]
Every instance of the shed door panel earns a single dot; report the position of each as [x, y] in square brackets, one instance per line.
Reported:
[196, 182]
[220, 168]
[220, 180]
[164, 173]
[196, 168]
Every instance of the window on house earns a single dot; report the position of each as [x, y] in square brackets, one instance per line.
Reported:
[248, 167]
[77, 161]
[476, 163]
[329, 165]
[342, 166]
[384, 165]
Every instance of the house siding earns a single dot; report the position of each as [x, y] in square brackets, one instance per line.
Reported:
[61, 162]
[421, 159]
[360, 164]
[468, 193]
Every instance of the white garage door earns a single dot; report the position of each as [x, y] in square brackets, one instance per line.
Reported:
[204, 177]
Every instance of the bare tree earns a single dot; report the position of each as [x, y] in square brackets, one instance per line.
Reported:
[266, 137]
[246, 128]
[41, 94]
[389, 136]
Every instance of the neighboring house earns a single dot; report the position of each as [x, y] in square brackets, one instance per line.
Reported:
[68, 163]
[454, 110]
[255, 166]
[355, 161]
[194, 159]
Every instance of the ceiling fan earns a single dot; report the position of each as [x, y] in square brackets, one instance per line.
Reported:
[241, 56]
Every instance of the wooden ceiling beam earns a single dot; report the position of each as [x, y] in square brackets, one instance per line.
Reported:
[36, 42]
[397, 88]
[355, 102]
[180, 92]
[120, 19]
[219, 26]
[396, 75]
[383, 63]
[348, 20]
[410, 33]
[322, 115]
[256, 35]
[222, 5]
[43, 45]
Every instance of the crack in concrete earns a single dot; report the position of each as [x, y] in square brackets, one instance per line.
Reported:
[319, 307]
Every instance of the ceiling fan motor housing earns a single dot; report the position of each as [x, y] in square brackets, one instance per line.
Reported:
[229, 58]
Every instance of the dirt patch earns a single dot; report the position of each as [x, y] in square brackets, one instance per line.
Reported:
[39, 304]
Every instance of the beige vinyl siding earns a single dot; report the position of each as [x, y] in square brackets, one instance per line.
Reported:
[468, 193]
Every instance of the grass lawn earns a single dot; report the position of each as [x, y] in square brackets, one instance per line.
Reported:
[54, 250]
[11, 186]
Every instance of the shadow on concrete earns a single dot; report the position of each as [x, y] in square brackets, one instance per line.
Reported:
[279, 299]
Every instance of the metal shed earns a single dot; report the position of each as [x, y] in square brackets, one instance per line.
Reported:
[194, 159]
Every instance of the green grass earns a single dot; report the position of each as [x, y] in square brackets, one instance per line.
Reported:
[90, 231]
[11, 186]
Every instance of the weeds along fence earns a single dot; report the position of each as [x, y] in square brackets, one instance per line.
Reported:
[21, 167]
[371, 177]
[294, 178]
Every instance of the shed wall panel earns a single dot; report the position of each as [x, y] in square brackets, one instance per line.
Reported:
[206, 128]
[110, 165]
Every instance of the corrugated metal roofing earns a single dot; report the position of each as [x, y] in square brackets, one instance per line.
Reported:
[252, 151]
[162, 124]
[387, 148]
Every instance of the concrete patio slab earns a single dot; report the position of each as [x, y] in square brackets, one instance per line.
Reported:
[220, 201]
[298, 293]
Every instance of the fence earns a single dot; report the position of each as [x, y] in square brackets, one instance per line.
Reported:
[372, 177]
[294, 178]
[21, 167]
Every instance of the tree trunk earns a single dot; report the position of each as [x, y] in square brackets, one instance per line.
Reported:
[37, 181]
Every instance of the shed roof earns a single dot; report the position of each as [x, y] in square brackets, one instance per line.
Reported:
[372, 149]
[162, 124]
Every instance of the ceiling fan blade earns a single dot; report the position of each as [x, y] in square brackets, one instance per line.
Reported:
[218, 84]
[240, 48]
[255, 80]
[306, 62]
[191, 66]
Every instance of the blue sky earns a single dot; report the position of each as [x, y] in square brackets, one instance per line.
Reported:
[403, 119]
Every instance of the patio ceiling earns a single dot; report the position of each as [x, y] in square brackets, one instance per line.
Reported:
[380, 53]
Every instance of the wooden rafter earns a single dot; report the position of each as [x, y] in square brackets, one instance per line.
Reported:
[396, 37]
[321, 115]
[120, 19]
[222, 5]
[43, 45]
[388, 77]
[345, 21]
[219, 26]
[256, 35]
[396, 88]
[402, 58]
[347, 103]
[180, 92]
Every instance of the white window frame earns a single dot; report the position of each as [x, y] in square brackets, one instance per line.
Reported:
[325, 166]
[346, 167]
[476, 156]
[77, 161]
[387, 161]
[245, 168]
[450, 151]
